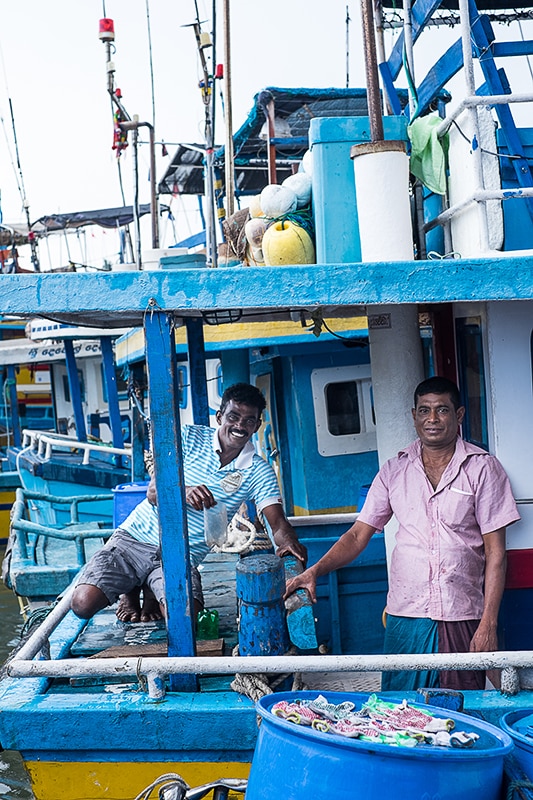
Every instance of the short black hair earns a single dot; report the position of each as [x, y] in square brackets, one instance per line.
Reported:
[438, 385]
[243, 393]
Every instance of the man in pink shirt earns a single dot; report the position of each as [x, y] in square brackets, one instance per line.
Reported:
[453, 502]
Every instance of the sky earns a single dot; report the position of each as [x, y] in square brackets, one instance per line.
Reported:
[53, 74]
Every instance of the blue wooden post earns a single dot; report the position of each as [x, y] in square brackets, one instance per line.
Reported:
[13, 402]
[166, 443]
[235, 367]
[110, 377]
[260, 587]
[196, 349]
[75, 391]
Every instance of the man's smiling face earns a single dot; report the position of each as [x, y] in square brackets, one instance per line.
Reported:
[238, 423]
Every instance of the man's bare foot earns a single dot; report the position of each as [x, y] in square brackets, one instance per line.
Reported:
[129, 607]
[151, 610]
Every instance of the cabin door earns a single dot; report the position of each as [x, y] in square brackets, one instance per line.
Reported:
[268, 432]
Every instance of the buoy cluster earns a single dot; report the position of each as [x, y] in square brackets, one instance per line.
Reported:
[279, 230]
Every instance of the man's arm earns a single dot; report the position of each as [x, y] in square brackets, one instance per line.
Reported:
[284, 534]
[348, 547]
[486, 638]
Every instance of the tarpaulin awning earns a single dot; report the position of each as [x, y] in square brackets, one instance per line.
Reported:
[295, 108]
[105, 217]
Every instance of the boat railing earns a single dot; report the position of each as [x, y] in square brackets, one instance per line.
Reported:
[33, 660]
[44, 443]
[347, 518]
[29, 533]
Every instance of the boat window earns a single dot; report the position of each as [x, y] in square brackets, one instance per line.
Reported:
[122, 384]
[344, 410]
[66, 387]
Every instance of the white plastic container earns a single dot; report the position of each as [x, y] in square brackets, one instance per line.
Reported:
[152, 258]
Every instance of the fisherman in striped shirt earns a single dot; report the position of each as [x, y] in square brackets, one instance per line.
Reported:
[220, 466]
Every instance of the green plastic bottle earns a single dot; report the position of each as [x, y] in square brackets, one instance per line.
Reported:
[207, 624]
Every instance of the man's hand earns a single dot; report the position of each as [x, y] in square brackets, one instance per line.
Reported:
[285, 538]
[288, 545]
[199, 497]
[485, 639]
[307, 580]
[151, 493]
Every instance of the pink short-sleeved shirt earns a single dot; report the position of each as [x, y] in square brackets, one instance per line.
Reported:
[438, 562]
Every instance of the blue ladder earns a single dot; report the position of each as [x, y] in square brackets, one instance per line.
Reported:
[486, 50]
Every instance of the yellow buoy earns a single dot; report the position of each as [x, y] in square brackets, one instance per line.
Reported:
[287, 243]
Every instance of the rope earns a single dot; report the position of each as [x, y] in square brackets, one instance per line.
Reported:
[168, 781]
[515, 785]
[252, 686]
[259, 685]
[240, 535]
[303, 218]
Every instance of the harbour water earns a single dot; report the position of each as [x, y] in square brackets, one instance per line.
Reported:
[14, 783]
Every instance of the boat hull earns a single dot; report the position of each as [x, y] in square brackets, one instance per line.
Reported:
[100, 780]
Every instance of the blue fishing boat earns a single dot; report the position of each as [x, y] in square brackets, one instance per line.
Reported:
[93, 724]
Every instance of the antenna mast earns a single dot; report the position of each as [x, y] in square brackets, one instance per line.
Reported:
[203, 41]
[348, 20]
[123, 124]
[31, 235]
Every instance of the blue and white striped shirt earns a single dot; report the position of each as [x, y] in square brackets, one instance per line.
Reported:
[247, 477]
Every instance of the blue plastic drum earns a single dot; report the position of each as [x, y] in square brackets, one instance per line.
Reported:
[125, 497]
[519, 726]
[298, 763]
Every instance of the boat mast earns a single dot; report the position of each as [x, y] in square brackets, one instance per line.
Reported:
[348, 20]
[31, 235]
[229, 154]
[124, 123]
[371, 70]
[203, 40]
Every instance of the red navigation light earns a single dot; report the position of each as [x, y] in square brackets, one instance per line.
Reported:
[219, 71]
[106, 30]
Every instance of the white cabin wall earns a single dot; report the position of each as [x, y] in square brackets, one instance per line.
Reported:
[510, 394]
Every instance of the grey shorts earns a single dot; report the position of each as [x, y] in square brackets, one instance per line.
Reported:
[124, 564]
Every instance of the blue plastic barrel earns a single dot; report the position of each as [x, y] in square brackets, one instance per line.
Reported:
[294, 762]
[519, 726]
[334, 200]
[125, 497]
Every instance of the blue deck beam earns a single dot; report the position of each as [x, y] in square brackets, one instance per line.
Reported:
[303, 286]
[108, 360]
[168, 465]
[14, 405]
[75, 390]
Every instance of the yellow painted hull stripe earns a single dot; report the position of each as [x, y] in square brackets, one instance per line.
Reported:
[53, 780]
